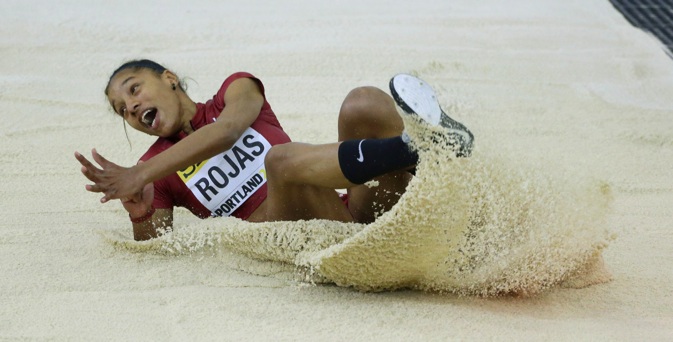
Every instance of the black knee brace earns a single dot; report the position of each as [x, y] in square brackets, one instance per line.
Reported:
[362, 160]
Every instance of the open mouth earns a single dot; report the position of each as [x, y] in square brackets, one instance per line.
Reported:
[148, 116]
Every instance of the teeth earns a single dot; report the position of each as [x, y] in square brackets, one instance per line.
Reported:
[144, 117]
[145, 113]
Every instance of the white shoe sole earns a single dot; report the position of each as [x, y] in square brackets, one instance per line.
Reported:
[416, 97]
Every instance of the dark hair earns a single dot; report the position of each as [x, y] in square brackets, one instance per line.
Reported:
[136, 65]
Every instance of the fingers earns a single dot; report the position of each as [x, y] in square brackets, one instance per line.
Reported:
[97, 188]
[93, 173]
[106, 198]
[101, 160]
[85, 162]
[92, 176]
[94, 188]
[105, 178]
[135, 198]
[90, 172]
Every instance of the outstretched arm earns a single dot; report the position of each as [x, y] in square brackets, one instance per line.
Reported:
[243, 100]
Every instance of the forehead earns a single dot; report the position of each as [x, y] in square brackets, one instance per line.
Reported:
[121, 80]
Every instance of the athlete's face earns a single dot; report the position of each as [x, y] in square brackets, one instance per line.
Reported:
[147, 101]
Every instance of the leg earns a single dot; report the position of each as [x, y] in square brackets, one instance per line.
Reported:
[301, 179]
[368, 112]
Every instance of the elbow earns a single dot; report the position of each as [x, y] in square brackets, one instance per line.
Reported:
[228, 136]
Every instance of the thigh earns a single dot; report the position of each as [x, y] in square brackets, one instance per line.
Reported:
[301, 182]
[305, 202]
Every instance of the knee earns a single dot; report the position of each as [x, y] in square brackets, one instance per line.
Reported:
[359, 102]
[277, 162]
[368, 112]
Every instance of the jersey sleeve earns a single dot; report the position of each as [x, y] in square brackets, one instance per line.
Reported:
[218, 99]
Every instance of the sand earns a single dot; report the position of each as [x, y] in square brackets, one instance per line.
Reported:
[570, 105]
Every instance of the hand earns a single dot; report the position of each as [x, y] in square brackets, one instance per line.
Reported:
[111, 179]
[140, 204]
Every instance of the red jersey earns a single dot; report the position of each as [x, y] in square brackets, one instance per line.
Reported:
[230, 184]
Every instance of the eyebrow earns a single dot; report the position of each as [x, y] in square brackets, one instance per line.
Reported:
[128, 79]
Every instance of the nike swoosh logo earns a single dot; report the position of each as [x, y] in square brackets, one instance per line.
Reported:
[361, 158]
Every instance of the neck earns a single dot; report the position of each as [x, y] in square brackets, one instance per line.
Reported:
[188, 108]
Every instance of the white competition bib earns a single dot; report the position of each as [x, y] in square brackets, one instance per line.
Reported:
[224, 182]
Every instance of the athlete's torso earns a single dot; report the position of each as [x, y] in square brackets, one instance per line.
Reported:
[232, 183]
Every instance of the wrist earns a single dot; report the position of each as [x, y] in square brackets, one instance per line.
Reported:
[141, 173]
[146, 216]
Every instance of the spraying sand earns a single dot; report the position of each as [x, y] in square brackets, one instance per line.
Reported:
[569, 184]
[469, 226]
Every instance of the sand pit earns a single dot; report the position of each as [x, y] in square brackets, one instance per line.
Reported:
[570, 105]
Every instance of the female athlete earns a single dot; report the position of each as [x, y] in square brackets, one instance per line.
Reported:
[230, 156]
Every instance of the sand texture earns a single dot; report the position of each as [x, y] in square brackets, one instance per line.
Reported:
[559, 227]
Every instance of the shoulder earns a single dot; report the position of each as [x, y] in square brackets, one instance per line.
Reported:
[219, 97]
[238, 75]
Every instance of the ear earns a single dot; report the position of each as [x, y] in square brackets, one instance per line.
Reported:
[169, 77]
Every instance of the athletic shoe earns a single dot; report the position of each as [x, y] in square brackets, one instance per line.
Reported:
[416, 97]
